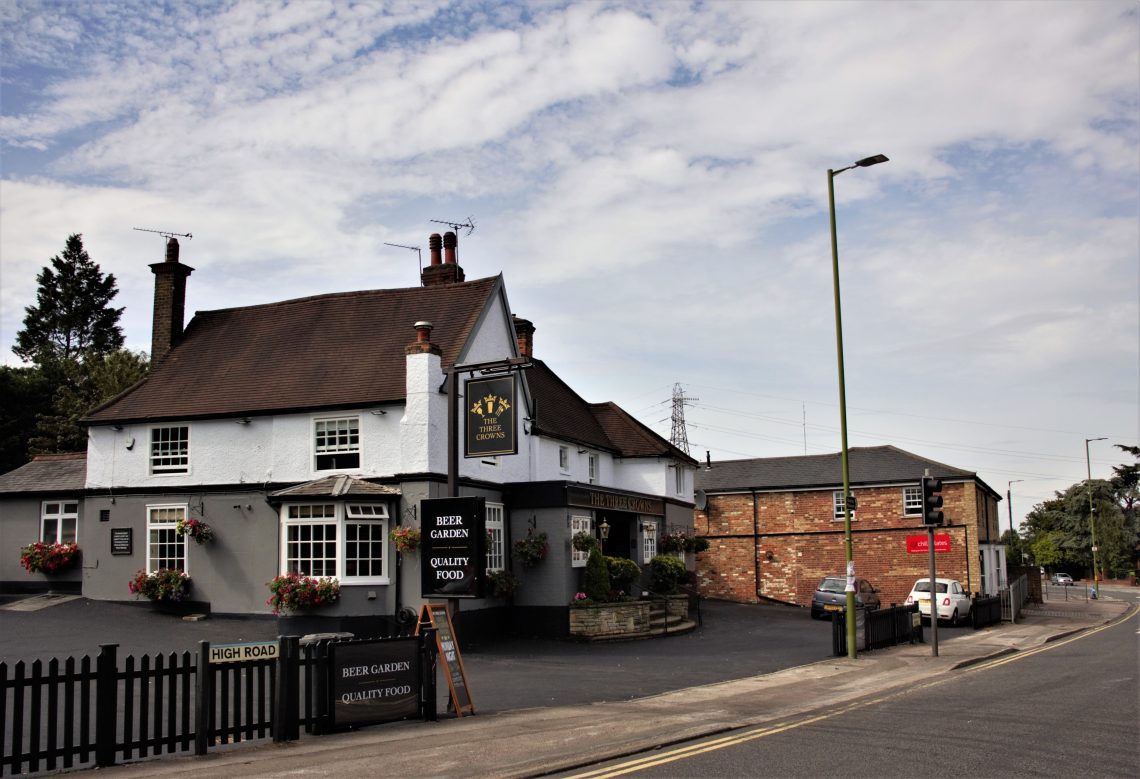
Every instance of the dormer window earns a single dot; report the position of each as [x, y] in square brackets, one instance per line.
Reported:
[336, 444]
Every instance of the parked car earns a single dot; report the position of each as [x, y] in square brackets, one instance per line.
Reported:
[1063, 579]
[954, 603]
[831, 596]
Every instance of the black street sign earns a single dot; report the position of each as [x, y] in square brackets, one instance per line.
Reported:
[491, 428]
[452, 536]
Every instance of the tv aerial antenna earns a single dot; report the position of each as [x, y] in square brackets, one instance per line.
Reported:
[164, 233]
[415, 249]
[469, 225]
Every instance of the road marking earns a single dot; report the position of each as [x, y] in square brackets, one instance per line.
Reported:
[680, 753]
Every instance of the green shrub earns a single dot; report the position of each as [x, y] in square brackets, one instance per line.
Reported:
[666, 573]
[596, 581]
[624, 573]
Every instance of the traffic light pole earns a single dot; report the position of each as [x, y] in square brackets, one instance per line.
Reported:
[933, 595]
[932, 517]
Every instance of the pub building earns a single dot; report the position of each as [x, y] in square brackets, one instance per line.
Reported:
[303, 432]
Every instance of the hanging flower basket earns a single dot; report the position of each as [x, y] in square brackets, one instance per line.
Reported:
[293, 591]
[166, 585]
[503, 583]
[194, 528]
[583, 541]
[406, 539]
[49, 558]
[531, 550]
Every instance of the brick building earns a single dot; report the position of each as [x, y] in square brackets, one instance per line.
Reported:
[775, 525]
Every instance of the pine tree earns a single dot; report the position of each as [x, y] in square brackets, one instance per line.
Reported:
[72, 317]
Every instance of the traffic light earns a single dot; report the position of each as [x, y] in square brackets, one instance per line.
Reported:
[931, 501]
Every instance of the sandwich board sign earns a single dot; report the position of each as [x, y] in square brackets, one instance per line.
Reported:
[435, 615]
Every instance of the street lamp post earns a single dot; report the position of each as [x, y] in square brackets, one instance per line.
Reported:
[850, 589]
[1092, 513]
[1009, 505]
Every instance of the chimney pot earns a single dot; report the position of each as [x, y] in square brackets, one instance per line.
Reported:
[524, 334]
[172, 250]
[450, 243]
[423, 331]
[435, 242]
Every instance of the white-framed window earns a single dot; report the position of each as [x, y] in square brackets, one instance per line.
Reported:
[336, 444]
[679, 479]
[912, 501]
[348, 541]
[170, 450]
[496, 538]
[838, 503]
[59, 521]
[648, 542]
[564, 459]
[592, 464]
[581, 524]
[164, 547]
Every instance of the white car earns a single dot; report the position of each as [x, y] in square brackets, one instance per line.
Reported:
[954, 603]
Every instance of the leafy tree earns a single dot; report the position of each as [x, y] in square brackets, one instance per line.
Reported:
[82, 387]
[24, 395]
[72, 316]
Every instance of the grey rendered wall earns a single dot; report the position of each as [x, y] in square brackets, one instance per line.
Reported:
[20, 526]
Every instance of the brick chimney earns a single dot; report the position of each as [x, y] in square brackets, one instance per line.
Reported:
[446, 271]
[169, 302]
[422, 344]
[524, 333]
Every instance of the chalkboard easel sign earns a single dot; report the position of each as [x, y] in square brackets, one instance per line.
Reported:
[435, 615]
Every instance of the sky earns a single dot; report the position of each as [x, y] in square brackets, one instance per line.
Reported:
[651, 180]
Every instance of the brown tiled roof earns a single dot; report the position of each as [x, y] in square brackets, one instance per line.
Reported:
[336, 487]
[563, 414]
[48, 473]
[328, 351]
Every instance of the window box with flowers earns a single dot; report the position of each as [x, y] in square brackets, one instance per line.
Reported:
[293, 592]
[194, 528]
[531, 550]
[167, 588]
[49, 559]
[406, 539]
[679, 542]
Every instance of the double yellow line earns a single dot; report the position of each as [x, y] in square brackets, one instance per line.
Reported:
[680, 753]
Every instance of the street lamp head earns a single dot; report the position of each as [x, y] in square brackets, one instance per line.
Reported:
[867, 162]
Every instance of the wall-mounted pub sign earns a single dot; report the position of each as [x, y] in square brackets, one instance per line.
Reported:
[491, 428]
[452, 540]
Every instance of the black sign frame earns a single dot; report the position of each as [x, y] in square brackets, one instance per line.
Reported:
[437, 616]
[361, 672]
[453, 537]
[491, 427]
[122, 541]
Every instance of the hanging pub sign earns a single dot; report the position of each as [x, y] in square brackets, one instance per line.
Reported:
[452, 536]
[491, 428]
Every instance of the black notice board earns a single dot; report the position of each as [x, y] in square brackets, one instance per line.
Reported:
[452, 539]
[121, 540]
[374, 681]
[435, 615]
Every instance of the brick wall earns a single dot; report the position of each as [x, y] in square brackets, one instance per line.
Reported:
[794, 541]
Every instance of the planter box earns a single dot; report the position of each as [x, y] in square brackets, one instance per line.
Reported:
[610, 620]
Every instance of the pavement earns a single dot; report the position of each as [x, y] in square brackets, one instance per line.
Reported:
[542, 740]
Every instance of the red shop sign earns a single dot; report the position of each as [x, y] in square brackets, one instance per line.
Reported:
[921, 544]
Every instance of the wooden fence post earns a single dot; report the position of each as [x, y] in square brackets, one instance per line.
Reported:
[286, 717]
[203, 700]
[106, 704]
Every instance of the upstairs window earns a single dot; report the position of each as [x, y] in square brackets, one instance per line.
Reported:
[564, 459]
[839, 502]
[169, 450]
[336, 444]
[912, 501]
[59, 522]
[679, 479]
[592, 462]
